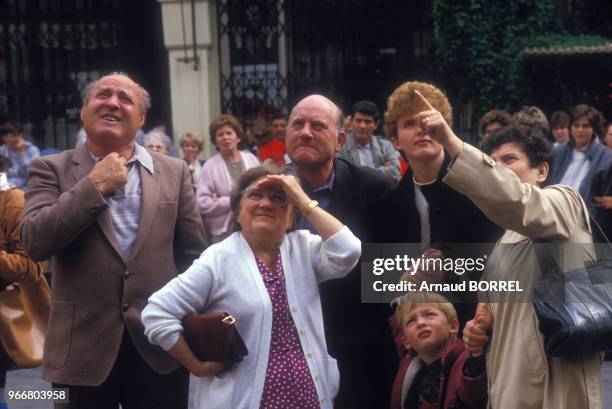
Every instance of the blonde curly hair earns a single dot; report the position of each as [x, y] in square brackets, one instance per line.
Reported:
[402, 102]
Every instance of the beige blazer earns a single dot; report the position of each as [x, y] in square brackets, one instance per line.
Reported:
[521, 375]
[96, 295]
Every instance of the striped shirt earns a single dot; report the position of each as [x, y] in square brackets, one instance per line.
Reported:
[126, 202]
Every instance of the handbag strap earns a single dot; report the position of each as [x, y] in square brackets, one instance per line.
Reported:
[603, 234]
[592, 221]
[548, 263]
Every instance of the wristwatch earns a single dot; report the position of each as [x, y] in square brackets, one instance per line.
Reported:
[311, 205]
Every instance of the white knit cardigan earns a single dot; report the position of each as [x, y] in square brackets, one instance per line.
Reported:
[226, 278]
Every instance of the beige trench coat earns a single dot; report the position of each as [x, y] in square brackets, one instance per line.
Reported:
[521, 375]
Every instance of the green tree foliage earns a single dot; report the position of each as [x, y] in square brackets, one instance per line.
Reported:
[480, 44]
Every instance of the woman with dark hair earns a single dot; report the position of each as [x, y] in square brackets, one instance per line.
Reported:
[268, 279]
[506, 187]
[559, 128]
[585, 164]
[492, 120]
[219, 173]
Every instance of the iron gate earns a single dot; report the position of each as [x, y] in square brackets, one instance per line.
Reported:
[273, 52]
[49, 51]
[252, 38]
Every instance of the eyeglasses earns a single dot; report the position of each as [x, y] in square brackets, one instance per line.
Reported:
[255, 195]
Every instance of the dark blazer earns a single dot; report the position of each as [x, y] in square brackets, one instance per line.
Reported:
[96, 294]
[453, 217]
[357, 334]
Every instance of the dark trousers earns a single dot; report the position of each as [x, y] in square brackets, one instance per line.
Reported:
[133, 384]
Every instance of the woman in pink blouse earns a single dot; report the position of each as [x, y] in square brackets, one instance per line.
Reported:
[219, 173]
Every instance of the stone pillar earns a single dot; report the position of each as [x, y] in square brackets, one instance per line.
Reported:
[194, 87]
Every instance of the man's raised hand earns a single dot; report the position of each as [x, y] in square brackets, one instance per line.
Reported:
[433, 124]
[109, 174]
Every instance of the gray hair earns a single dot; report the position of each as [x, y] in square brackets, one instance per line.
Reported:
[145, 101]
[165, 139]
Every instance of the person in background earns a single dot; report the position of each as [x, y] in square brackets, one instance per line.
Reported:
[191, 144]
[586, 165]
[15, 265]
[160, 126]
[492, 120]
[19, 151]
[157, 141]
[249, 142]
[607, 137]
[278, 123]
[219, 173]
[604, 200]
[363, 148]
[559, 128]
[532, 117]
[273, 150]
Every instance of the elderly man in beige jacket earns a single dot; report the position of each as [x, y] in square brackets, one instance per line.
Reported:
[118, 223]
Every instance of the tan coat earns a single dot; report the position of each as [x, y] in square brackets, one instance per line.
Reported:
[95, 293]
[521, 375]
[15, 266]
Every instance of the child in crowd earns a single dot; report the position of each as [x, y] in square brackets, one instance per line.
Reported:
[437, 367]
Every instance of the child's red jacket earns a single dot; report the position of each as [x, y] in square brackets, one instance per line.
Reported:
[459, 390]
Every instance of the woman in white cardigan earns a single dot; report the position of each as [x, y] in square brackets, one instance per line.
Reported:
[268, 280]
[219, 173]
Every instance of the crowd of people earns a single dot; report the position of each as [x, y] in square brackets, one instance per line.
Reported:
[269, 229]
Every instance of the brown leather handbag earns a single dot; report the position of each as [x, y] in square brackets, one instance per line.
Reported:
[213, 337]
[24, 315]
[24, 310]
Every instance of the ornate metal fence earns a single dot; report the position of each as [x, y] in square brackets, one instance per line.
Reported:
[252, 36]
[49, 51]
[274, 51]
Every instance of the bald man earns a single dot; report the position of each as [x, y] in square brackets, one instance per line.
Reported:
[357, 334]
[119, 222]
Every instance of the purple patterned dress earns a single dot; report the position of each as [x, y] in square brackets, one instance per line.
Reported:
[288, 383]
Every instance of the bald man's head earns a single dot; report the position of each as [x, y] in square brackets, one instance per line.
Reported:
[315, 125]
[333, 109]
[144, 102]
